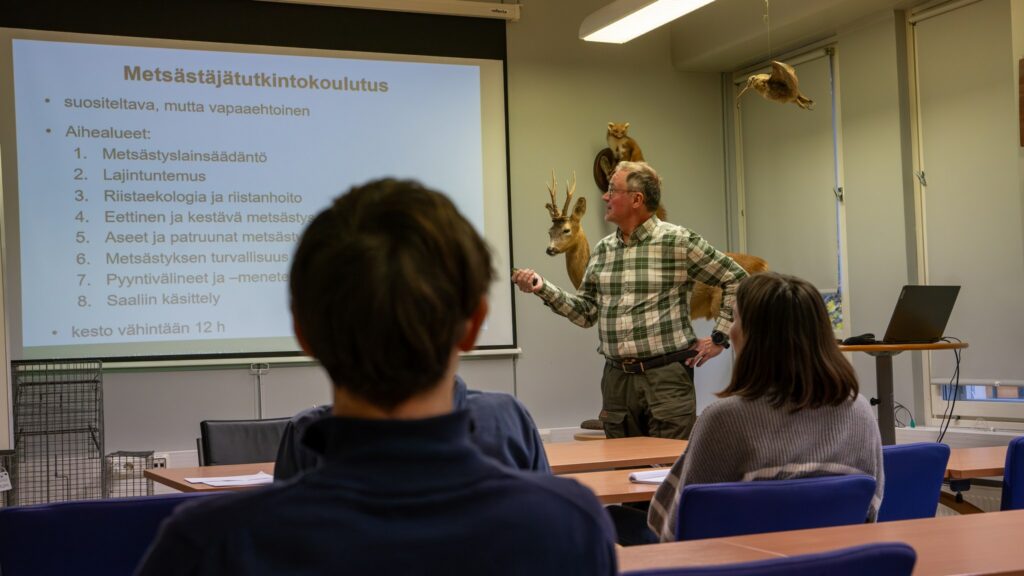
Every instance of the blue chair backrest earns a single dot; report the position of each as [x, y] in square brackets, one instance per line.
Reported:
[878, 559]
[735, 508]
[84, 537]
[913, 480]
[1013, 476]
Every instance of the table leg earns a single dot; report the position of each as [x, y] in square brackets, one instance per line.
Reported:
[886, 405]
[958, 505]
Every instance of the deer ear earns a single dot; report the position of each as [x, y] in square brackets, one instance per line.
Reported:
[550, 208]
[625, 126]
[610, 124]
[579, 209]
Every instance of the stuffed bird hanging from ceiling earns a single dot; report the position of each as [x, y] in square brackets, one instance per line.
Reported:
[781, 86]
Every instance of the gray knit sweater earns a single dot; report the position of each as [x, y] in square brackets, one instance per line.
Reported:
[740, 440]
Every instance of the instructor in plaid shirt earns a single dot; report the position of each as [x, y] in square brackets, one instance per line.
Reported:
[637, 290]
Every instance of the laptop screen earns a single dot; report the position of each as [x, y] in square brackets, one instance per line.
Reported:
[921, 314]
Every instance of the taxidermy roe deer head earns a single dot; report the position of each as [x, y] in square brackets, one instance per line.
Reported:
[566, 234]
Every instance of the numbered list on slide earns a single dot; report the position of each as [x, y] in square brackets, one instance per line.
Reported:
[160, 209]
[165, 227]
[162, 191]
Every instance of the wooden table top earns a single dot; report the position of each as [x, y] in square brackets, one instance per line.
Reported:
[975, 544]
[895, 348]
[590, 455]
[614, 487]
[588, 463]
[175, 477]
[975, 462]
[564, 457]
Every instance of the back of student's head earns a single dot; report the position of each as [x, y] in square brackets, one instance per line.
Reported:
[382, 285]
[788, 353]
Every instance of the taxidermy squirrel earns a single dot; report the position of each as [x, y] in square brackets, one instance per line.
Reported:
[622, 146]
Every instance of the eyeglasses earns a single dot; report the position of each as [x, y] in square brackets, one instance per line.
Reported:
[612, 190]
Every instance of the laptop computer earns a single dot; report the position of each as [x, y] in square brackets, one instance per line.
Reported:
[921, 314]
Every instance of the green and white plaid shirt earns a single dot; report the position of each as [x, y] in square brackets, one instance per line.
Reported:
[639, 294]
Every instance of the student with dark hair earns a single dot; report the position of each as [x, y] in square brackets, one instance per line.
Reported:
[791, 410]
[388, 286]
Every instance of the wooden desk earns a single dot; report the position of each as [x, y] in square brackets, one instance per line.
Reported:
[614, 487]
[590, 455]
[975, 462]
[692, 553]
[883, 354]
[975, 544]
[967, 463]
[175, 477]
[563, 457]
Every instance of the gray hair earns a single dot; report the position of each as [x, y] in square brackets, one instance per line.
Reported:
[640, 177]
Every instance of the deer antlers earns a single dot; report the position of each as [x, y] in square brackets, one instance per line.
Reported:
[570, 187]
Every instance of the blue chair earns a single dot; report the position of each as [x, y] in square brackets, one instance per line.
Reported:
[913, 480]
[84, 537]
[878, 559]
[735, 508]
[1013, 476]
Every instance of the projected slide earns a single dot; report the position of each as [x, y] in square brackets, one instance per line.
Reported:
[161, 191]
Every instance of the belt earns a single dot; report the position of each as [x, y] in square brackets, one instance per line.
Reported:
[641, 365]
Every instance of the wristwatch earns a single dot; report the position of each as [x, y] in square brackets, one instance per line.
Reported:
[719, 338]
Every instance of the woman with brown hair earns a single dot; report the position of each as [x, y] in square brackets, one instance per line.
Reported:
[791, 410]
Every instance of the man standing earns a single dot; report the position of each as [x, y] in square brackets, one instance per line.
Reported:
[637, 290]
[388, 286]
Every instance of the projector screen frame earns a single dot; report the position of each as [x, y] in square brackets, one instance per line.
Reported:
[266, 25]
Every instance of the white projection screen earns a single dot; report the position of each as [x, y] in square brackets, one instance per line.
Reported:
[154, 190]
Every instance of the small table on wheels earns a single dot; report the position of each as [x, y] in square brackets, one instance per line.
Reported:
[883, 354]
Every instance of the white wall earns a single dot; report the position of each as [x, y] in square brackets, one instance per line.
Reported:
[875, 134]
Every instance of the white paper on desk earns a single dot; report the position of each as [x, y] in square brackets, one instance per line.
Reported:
[649, 476]
[244, 480]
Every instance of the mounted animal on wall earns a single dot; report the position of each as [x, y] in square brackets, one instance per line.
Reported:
[566, 235]
[620, 148]
[706, 301]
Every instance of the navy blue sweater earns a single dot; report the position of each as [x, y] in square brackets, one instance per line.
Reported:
[393, 497]
[498, 425]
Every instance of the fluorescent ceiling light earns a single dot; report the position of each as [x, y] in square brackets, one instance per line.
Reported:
[623, 20]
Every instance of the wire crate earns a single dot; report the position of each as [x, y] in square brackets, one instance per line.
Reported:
[58, 431]
[123, 474]
[6, 464]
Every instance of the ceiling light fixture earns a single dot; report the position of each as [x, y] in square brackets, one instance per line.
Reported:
[623, 20]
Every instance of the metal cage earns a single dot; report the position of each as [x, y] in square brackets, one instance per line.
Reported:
[58, 431]
[123, 474]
